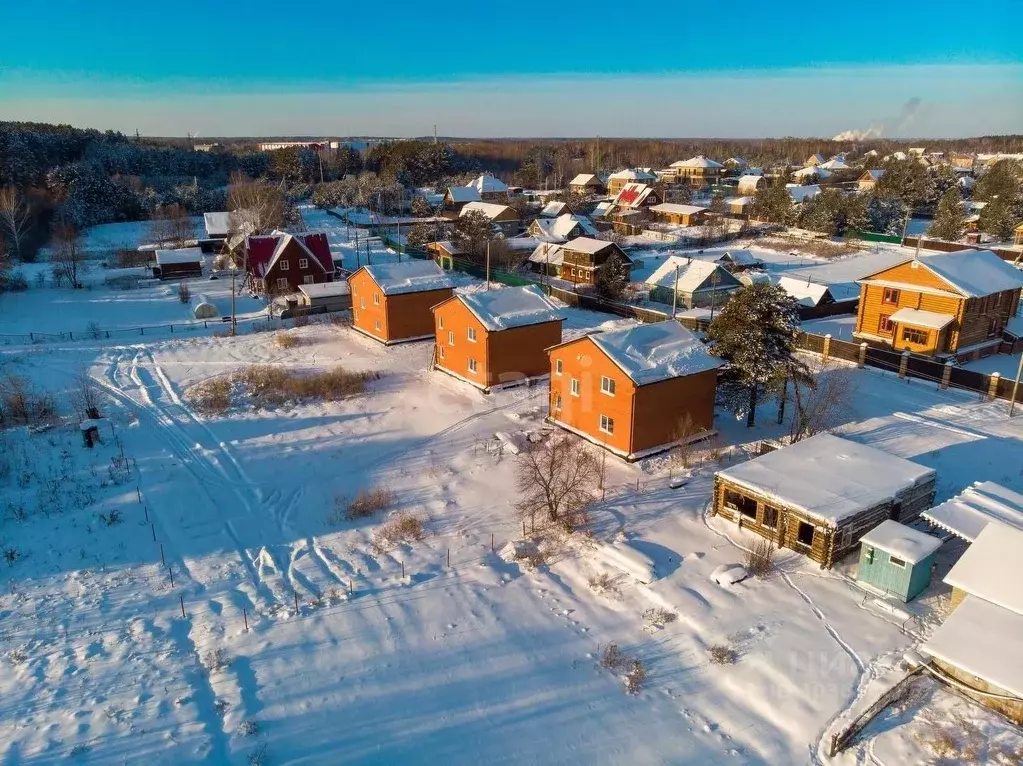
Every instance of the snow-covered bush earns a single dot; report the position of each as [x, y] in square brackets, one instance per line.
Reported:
[364, 504]
[403, 528]
[215, 660]
[759, 559]
[248, 728]
[723, 655]
[604, 584]
[211, 397]
[286, 340]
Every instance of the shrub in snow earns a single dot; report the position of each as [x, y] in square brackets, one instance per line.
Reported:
[215, 660]
[17, 656]
[112, 518]
[259, 756]
[403, 528]
[270, 386]
[286, 340]
[80, 749]
[659, 617]
[248, 728]
[221, 707]
[184, 293]
[211, 397]
[604, 584]
[759, 559]
[723, 655]
[635, 678]
[362, 505]
[613, 657]
[11, 555]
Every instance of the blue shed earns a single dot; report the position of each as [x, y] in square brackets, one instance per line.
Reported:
[896, 560]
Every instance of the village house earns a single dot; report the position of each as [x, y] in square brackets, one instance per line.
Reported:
[218, 224]
[577, 260]
[444, 252]
[736, 165]
[555, 208]
[504, 217]
[175, 264]
[632, 207]
[739, 260]
[869, 180]
[817, 299]
[691, 283]
[325, 297]
[635, 391]
[680, 215]
[800, 193]
[835, 164]
[896, 561]
[820, 495]
[980, 504]
[749, 184]
[586, 183]
[814, 159]
[393, 302]
[457, 197]
[811, 174]
[1018, 231]
[561, 229]
[278, 263]
[738, 207]
[617, 181]
[978, 647]
[490, 189]
[698, 171]
[944, 304]
[496, 337]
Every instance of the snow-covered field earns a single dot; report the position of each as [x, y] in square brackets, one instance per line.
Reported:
[444, 650]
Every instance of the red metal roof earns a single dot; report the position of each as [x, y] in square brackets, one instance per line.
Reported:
[262, 249]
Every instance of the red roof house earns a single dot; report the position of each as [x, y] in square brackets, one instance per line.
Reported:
[280, 262]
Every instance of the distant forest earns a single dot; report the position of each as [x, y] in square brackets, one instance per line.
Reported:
[86, 177]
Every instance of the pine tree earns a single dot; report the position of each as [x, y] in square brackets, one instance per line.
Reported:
[755, 332]
[949, 218]
[472, 232]
[772, 203]
[612, 278]
[997, 219]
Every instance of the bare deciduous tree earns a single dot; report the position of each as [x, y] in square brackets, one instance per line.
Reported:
[682, 452]
[84, 395]
[256, 206]
[556, 478]
[67, 257]
[15, 218]
[823, 405]
[172, 225]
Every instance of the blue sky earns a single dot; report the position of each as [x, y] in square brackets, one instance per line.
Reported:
[739, 68]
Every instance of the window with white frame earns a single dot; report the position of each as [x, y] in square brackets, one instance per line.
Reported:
[362, 303]
[472, 364]
[376, 325]
[607, 425]
[376, 299]
[559, 366]
[451, 337]
[307, 279]
[303, 263]
[285, 265]
[440, 323]
[607, 385]
[440, 352]
[471, 334]
[282, 283]
[575, 387]
[556, 402]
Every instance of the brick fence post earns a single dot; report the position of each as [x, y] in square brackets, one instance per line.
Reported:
[946, 375]
[826, 350]
[992, 386]
[863, 356]
[903, 364]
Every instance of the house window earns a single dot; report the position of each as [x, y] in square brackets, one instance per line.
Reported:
[440, 351]
[994, 326]
[885, 324]
[897, 562]
[451, 338]
[917, 337]
[307, 279]
[362, 303]
[471, 334]
[376, 325]
[607, 425]
[607, 386]
[804, 535]
[770, 517]
[285, 265]
[472, 365]
[440, 322]
[556, 402]
[574, 387]
[303, 263]
[890, 296]
[868, 554]
[559, 366]
[744, 505]
[282, 283]
[376, 299]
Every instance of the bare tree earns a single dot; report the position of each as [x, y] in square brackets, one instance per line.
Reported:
[84, 395]
[556, 478]
[67, 257]
[15, 218]
[257, 206]
[823, 405]
[172, 225]
[682, 452]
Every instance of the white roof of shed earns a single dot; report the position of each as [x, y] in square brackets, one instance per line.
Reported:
[992, 567]
[800, 193]
[920, 318]
[325, 289]
[966, 514]
[586, 245]
[464, 194]
[813, 170]
[650, 353]
[637, 174]
[671, 207]
[741, 257]
[835, 164]
[490, 209]
[510, 307]
[584, 179]
[553, 209]
[691, 273]
[983, 639]
[828, 477]
[805, 292]
[409, 277]
[487, 183]
[217, 224]
[548, 253]
[901, 541]
[183, 255]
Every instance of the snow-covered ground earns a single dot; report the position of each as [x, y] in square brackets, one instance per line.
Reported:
[442, 650]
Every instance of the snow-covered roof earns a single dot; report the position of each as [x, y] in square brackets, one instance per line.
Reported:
[741, 257]
[749, 181]
[805, 292]
[464, 194]
[650, 353]
[673, 208]
[559, 229]
[182, 255]
[983, 503]
[815, 159]
[984, 640]
[903, 542]
[490, 209]
[975, 273]
[692, 273]
[800, 193]
[585, 179]
[828, 477]
[699, 161]
[967, 182]
[602, 209]
[510, 307]
[634, 174]
[835, 164]
[217, 224]
[874, 174]
[325, 289]
[548, 253]
[738, 200]
[992, 567]
[813, 170]
[487, 183]
[553, 209]
[918, 318]
[633, 195]
[586, 245]
[409, 277]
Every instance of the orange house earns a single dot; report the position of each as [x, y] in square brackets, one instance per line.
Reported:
[391, 302]
[947, 304]
[497, 337]
[635, 391]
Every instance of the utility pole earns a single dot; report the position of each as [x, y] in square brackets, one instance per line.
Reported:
[714, 279]
[234, 320]
[674, 294]
[488, 264]
[1015, 386]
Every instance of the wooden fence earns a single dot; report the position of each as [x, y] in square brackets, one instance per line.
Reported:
[840, 740]
[941, 246]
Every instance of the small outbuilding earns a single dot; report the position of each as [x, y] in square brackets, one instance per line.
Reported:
[896, 561]
[204, 308]
[323, 297]
[982, 503]
[176, 264]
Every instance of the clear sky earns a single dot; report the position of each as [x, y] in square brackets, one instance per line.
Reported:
[738, 68]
